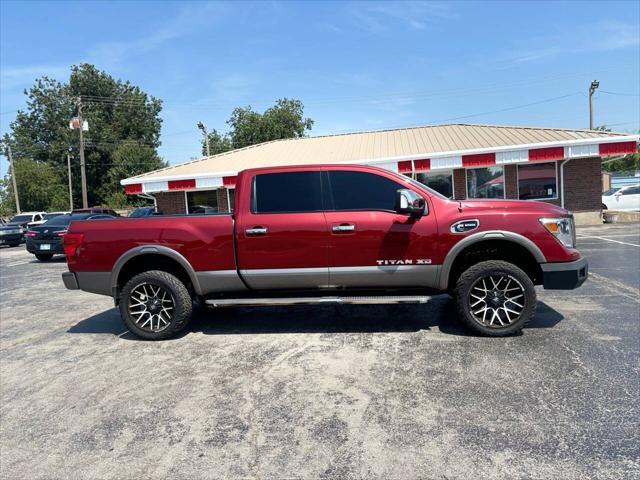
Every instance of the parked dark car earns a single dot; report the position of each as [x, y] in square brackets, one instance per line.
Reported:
[106, 211]
[11, 234]
[45, 240]
[142, 212]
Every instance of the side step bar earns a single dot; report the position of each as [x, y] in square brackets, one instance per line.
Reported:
[379, 300]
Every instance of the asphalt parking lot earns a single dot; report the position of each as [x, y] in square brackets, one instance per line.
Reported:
[394, 392]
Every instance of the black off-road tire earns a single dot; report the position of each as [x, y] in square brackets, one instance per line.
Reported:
[44, 257]
[182, 304]
[473, 274]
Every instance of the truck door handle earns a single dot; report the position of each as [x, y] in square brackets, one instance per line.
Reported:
[256, 231]
[344, 228]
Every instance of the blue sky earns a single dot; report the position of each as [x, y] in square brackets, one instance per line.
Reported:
[356, 66]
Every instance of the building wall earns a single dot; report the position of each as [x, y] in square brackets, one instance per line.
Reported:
[582, 184]
[459, 184]
[171, 203]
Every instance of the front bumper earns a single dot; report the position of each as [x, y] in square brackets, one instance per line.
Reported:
[11, 239]
[564, 275]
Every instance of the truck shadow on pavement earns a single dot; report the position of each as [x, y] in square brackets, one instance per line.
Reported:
[439, 312]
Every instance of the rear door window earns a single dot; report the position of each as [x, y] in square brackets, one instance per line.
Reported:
[287, 192]
[362, 191]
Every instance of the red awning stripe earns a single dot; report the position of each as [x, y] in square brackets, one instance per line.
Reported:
[182, 184]
[133, 189]
[544, 154]
[229, 182]
[405, 166]
[618, 148]
[422, 165]
[479, 160]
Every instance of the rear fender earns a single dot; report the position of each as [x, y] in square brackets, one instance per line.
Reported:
[158, 250]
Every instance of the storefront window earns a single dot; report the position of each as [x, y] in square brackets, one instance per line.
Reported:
[202, 202]
[441, 182]
[537, 181]
[485, 182]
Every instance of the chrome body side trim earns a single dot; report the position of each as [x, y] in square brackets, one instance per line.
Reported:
[385, 276]
[158, 250]
[271, 301]
[479, 237]
[281, 278]
[220, 281]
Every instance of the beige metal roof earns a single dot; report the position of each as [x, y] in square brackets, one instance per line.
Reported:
[376, 145]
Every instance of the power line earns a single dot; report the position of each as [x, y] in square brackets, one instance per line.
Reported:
[621, 94]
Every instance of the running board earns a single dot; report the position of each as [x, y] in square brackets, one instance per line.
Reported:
[380, 300]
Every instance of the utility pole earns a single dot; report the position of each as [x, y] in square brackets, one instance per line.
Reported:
[83, 174]
[13, 177]
[203, 127]
[592, 88]
[69, 174]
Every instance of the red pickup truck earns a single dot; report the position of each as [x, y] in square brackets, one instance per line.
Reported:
[329, 233]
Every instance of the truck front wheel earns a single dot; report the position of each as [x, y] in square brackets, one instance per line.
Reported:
[155, 305]
[495, 298]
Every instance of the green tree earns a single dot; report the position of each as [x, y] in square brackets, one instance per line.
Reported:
[218, 143]
[625, 165]
[129, 159]
[116, 111]
[247, 127]
[39, 188]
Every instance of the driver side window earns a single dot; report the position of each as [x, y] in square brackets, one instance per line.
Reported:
[362, 191]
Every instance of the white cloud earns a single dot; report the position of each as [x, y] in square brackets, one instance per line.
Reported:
[190, 19]
[19, 76]
[378, 17]
[599, 37]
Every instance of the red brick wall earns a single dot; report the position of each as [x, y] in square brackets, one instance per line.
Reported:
[583, 184]
[223, 206]
[511, 181]
[171, 203]
[459, 184]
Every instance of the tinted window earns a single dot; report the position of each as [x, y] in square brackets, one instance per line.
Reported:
[630, 191]
[537, 181]
[21, 218]
[441, 182]
[362, 191]
[203, 202]
[485, 182]
[287, 192]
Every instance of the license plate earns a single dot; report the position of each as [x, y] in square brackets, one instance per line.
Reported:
[45, 246]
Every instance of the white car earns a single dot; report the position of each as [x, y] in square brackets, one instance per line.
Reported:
[46, 217]
[622, 199]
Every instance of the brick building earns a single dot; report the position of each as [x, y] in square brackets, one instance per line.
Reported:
[559, 166]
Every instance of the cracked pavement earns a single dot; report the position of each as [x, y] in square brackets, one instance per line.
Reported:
[393, 392]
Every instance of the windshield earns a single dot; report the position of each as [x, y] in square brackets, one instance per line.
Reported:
[141, 212]
[424, 187]
[49, 216]
[610, 192]
[21, 218]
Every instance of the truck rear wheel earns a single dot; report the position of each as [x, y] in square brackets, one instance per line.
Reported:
[155, 305]
[495, 298]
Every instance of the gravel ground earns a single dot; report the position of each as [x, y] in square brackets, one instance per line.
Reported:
[393, 392]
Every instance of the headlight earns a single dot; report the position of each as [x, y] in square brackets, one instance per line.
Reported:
[561, 228]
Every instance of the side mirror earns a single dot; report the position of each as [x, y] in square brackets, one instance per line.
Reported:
[410, 203]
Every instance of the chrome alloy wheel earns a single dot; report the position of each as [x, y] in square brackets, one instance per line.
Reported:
[496, 300]
[151, 307]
